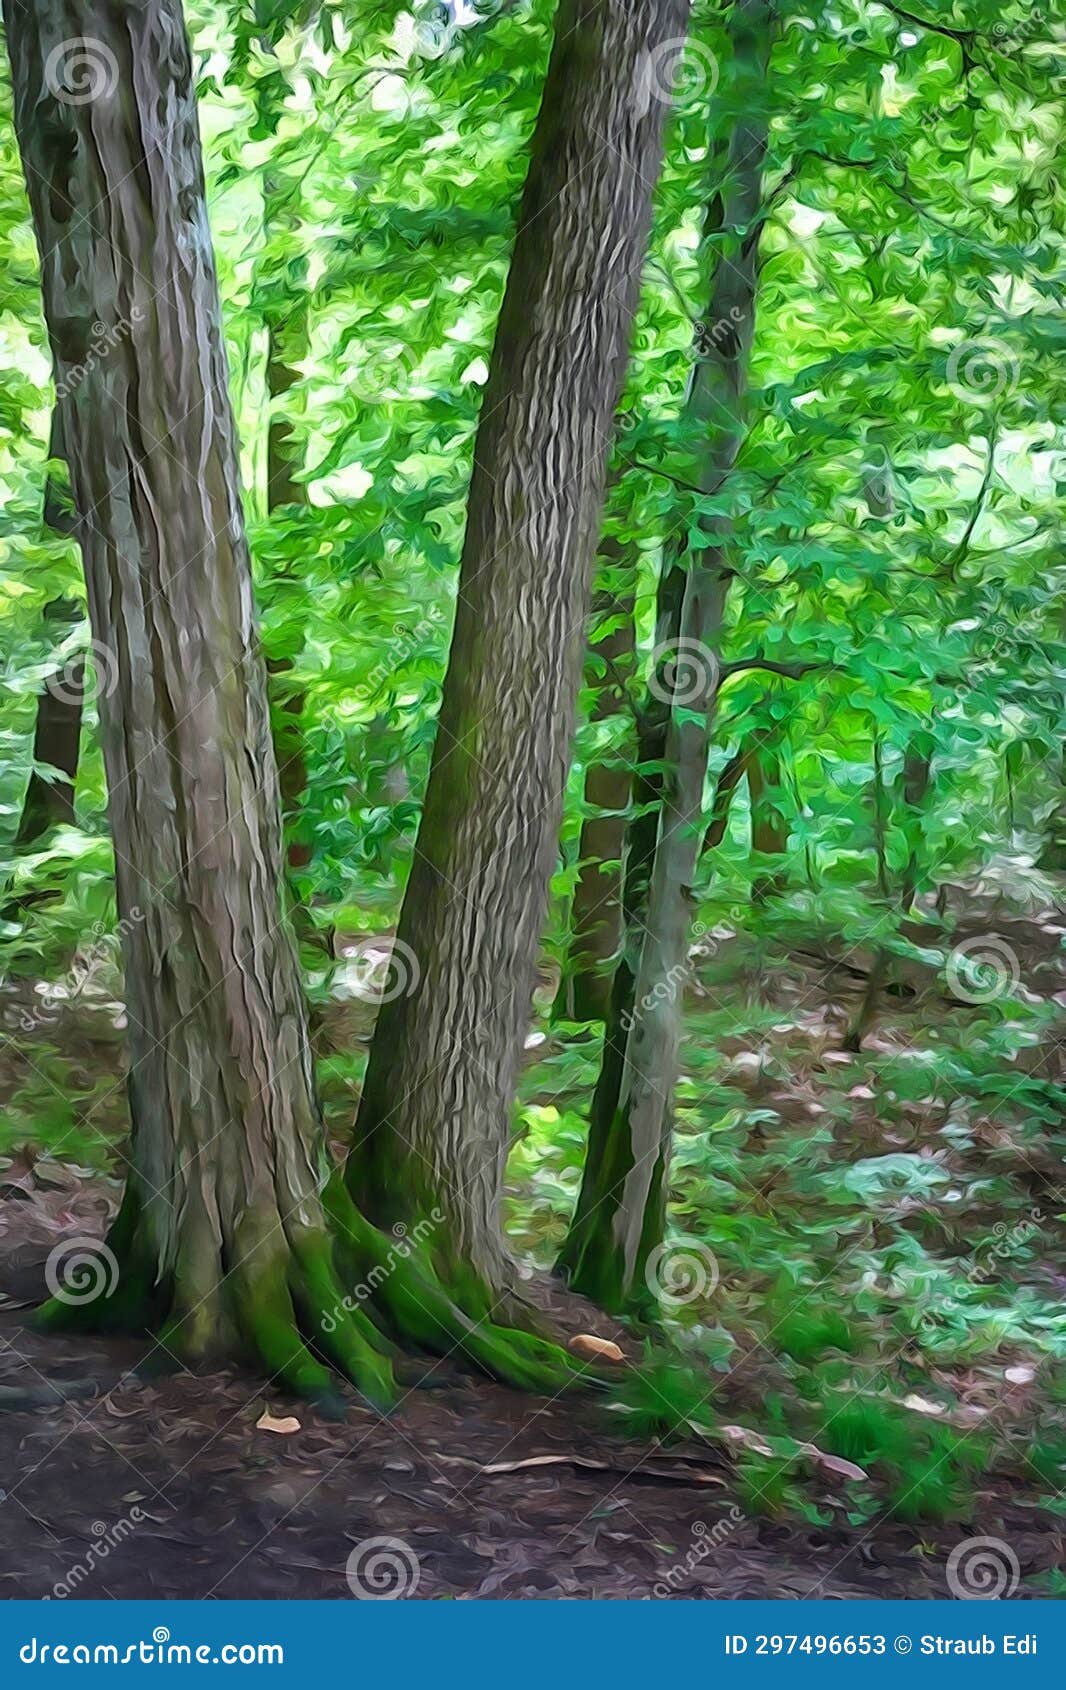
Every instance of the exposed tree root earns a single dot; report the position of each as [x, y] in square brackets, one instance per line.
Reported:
[308, 1304]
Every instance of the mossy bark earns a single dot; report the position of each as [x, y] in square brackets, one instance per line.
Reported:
[435, 1115]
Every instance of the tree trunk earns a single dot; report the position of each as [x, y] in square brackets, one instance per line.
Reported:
[620, 1215]
[49, 802]
[286, 320]
[596, 911]
[880, 816]
[728, 780]
[287, 701]
[231, 1232]
[1053, 855]
[434, 1121]
[917, 764]
[769, 823]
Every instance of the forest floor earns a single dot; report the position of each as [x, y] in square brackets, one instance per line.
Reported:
[145, 1484]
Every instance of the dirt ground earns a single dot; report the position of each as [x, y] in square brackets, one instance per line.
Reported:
[164, 1486]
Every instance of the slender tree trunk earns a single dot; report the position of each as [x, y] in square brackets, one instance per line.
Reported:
[729, 779]
[880, 817]
[434, 1121]
[620, 1215]
[770, 831]
[596, 912]
[287, 702]
[49, 802]
[286, 319]
[1053, 855]
[917, 763]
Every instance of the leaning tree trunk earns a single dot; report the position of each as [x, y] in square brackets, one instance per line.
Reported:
[231, 1233]
[620, 1215]
[434, 1120]
[596, 910]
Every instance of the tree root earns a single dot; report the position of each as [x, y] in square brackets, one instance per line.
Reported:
[285, 1307]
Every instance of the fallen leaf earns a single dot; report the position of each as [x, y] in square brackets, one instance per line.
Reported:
[268, 1423]
[750, 1440]
[922, 1405]
[1020, 1375]
[834, 1463]
[590, 1348]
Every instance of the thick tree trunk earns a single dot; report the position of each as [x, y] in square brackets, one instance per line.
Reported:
[596, 911]
[228, 1155]
[433, 1125]
[620, 1214]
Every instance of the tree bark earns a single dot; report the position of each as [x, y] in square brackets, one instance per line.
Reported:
[914, 784]
[434, 1120]
[286, 700]
[596, 911]
[725, 787]
[769, 823]
[49, 802]
[620, 1215]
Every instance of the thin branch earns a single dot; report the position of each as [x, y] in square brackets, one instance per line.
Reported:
[791, 671]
